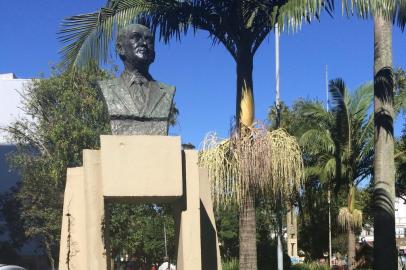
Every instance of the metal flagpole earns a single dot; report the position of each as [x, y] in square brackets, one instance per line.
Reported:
[330, 255]
[279, 251]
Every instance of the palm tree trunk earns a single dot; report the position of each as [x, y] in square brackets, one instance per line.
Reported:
[248, 245]
[245, 110]
[385, 254]
[351, 249]
[245, 117]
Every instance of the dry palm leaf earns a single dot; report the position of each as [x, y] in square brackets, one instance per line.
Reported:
[270, 162]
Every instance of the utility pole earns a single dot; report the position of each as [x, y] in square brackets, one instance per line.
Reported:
[277, 92]
[330, 255]
[279, 249]
[166, 248]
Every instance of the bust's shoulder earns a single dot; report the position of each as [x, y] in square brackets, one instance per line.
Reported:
[169, 89]
[108, 83]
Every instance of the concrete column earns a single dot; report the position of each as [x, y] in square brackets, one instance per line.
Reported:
[94, 210]
[209, 241]
[73, 252]
[189, 249]
[291, 221]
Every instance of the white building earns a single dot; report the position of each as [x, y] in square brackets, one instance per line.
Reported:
[400, 218]
[10, 100]
[367, 233]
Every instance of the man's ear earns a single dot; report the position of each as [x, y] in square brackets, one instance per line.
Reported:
[119, 49]
[153, 56]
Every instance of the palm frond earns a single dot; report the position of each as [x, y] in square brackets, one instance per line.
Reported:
[316, 112]
[313, 171]
[340, 108]
[291, 14]
[361, 102]
[269, 161]
[400, 88]
[399, 16]
[347, 219]
[339, 95]
[236, 163]
[217, 156]
[400, 102]
[316, 141]
[86, 37]
[89, 36]
[392, 10]
[286, 163]
[329, 170]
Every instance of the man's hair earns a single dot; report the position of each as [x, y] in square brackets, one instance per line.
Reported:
[122, 33]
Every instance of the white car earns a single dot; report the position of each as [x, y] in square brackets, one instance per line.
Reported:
[10, 267]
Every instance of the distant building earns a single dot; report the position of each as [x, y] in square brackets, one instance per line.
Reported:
[11, 89]
[367, 233]
[10, 101]
[400, 218]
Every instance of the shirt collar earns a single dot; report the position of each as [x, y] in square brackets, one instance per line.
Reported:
[134, 77]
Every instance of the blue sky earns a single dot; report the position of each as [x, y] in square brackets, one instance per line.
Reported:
[203, 74]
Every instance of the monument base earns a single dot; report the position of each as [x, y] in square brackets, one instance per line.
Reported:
[138, 169]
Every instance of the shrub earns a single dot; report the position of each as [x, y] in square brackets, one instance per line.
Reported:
[310, 266]
[231, 264]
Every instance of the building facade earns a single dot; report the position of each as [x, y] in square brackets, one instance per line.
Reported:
[367, 233]
[11, 93]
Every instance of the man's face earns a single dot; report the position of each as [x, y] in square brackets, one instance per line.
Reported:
[138, 46]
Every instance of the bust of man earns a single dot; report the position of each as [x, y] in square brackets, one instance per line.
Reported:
[136, 103]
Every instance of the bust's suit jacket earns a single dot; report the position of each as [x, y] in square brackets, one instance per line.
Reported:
[123, 98]
[137, 106]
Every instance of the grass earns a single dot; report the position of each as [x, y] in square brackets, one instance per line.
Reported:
[231, 264]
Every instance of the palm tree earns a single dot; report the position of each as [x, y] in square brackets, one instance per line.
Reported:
[384, 166]
[240, 26]
[342, 142]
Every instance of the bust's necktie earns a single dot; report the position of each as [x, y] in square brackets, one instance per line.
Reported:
[138, 96]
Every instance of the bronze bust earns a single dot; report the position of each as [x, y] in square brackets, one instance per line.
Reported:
[136, 103]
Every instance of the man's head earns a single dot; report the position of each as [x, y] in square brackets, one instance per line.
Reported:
[135, 46]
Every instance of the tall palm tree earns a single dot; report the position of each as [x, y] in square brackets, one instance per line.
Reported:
[384, 166]
[385, 252]
[240, 25]
[342, 142]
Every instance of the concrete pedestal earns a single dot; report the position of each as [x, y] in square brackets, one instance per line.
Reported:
[137, 169]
